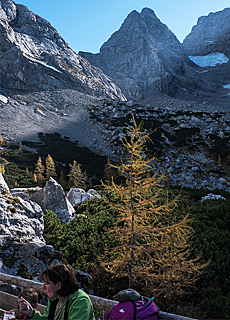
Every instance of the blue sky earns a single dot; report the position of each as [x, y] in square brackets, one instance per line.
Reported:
[86, 24]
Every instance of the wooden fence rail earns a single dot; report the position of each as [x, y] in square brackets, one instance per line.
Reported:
[7, 301]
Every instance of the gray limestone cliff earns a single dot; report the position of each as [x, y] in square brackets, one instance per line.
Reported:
[142, 56]
[34, 57]
[210, 34]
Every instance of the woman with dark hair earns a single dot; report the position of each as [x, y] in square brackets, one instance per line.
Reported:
[66, 300]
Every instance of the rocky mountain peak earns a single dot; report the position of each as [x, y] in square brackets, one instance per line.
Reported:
[159, 30]
[8, 10]
[34, 57]
[142, 56]
[210, 34]
[147, 11]
[142, 25]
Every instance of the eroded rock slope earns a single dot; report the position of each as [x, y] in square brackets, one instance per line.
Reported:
[143, 56]
[34, 57]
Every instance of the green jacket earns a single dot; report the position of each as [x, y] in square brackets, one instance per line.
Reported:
[79, 308]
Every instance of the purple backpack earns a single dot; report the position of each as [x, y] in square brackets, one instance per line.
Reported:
[133, 310]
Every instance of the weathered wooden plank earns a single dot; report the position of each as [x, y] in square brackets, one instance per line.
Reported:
[102, 303]
[41, 308]
[9, 301]
[1, 312]
[20, 282]
[170, 316]
[98, 302]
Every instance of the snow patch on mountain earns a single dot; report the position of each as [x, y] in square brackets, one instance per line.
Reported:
[210, 60]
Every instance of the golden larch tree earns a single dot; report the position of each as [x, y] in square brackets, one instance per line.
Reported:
[62, 179]
[39, 169]
[20, 146]
[50, 168]
[77, 178]
[2, 169]
[153, 248]
[35, 178]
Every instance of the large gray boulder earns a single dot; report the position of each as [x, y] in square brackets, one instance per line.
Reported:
[52, 197]
[23, 250]
[25, 259]
[21, 219]
[77, 196]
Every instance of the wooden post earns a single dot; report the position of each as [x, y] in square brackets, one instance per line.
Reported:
[20, 282]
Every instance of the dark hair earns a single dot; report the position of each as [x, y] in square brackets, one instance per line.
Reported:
[64, 274]
[30, 295]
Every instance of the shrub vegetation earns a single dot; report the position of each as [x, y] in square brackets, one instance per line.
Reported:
[86, 238]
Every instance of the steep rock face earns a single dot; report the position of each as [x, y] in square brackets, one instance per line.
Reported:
[143, 55]
[23, 250]
[210, 34]
[3, 184]
[76, 196]
[34, 57]
[52, 197]
[25, 259]
[20, 218]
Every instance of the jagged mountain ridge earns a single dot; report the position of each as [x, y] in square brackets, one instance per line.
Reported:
[143, 56]
[34, 57]
[210, 34]
[210, 37]
[38, 65]
[68, 111]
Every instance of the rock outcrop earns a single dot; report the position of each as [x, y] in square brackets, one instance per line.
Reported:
[34, 57]
[52, 197]
[142, 56]
[210, 34]
[3, 184]
[191, 142]
[77, 196]
[23, 250]
[208, 46]
[21, 218]
[25, 259]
